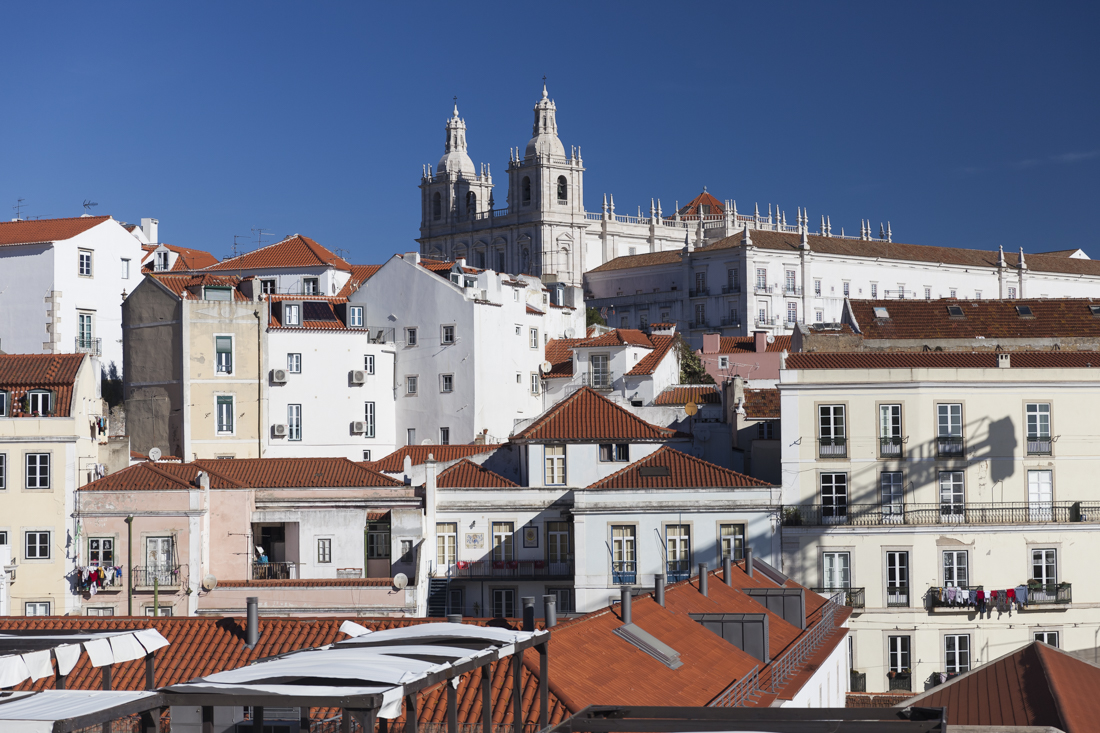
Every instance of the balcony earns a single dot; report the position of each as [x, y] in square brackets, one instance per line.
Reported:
[899, 680]
[853, 597]
[1008, 512]
[949, 447]
[792, 290]
[112, 581]
[764, 322]
[274, 571]
[832, 448]
[763, 289]
[596, 380]
[890, 447]
[699, 293]
[1037, 446]
[858, 682]
[624, 573]
[88, 346]
[515, 569]
[939, 598]
[897, 596]
[157, 576]
[731, 323]
[1049, 594]
[731, 290]
[677, 570]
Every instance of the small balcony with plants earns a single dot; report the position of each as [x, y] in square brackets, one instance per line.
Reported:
[832, 447]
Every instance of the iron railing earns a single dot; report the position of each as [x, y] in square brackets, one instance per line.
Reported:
[698, 292]
[939, 598]
[1049, 594]
[678, 570]
[949, 447]
[763, 289]
[897, 596]
[1038, 446]
[832, 447]
[792, 290]
[852, 597]
[870, 515]
[900, 681]
[731, 289]
[889, 447]
[274, 571]
[88, 346]
[510, 569]
[858, 682]
[734, 322]
[164, 576]
[624, 573]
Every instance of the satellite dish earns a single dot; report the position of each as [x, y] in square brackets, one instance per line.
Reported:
[209, 582]
[400, 581]
[426, 441]
[546, 367]
[570, 333]
[154, 454]
[771, 338]
[691, 408]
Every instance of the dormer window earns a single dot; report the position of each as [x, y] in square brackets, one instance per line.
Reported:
[39, 402]
[292, 314]
[161, 263]
[1024, 311]
[456, 278]
[882, 313]
[217, 293]
[955, 311]
[471, 282]
[355, 316]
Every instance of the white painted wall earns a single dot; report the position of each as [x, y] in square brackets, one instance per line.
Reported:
[583, 466]
[827, 687]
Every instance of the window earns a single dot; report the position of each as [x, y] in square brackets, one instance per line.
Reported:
[37, 546]
[411, 385]
[700, 283]
[599, 366]
[225, 414]
[165, 611]
[99, 611]
[471, 209]
[834, 497]
[1040, 495]
[956, 653]
[444, 436]
[1038, 428]
[832, 432]
[125, 269]
[874, 290]
[3, 404]
[162, 261]
[437, 205]
[789, 282]
[1044, 566]
[836, 570]
[410, 436]
[223, 347]
[977, 295]
[292, 314]
[928, 293]
[700, 314]
[446, 383]
[732, 541]
[893, 496]
[535, 383]
[617, 452]
[534, 333]
[792, 312]
[731, 280]
[503, 547]
[678, 551]
[267, 287]
[953, 293]
[955, 568]
[761, 278]
[504, 599]
[368, 418]
[1011, 293]
[632, 251]
[378, 540]
[898, 649]
[723, 362]
[84, 331]
[952, 496]
[446, 543]
[355, 316]
[38, 470]
[563, 190]
[4, 481]
[294, 422]
[624, 558]
[819, 316]
[39, 402]
[555, 465]
[456, 600]
[889, 430]
[366, 455]
[217, 293]
[765, 430]
[817, 287]
[447, 336]
[85, 263]
[557, 542]
[410, 337]
[949, 440]
[525, 190]
[847, 288]
[1047, 637]
[643, 320]
[3, 538]
[36, 608]
[101, 551]
[324, 550]
[563, 599]
[310, 286]
[897, 579]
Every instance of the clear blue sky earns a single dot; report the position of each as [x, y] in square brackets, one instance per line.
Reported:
[964, 124]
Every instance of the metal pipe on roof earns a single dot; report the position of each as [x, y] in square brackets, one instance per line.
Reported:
[486, 700]
[454, 618]
[727, 571]
[550, 610]
[659, 589]
[252, 628]
[624, 606]
[517, 681]
[528, 613]
[258, 717]
[703, 578]
[411, 713]
[748, 561]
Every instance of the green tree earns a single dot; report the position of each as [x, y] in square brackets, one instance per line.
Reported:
[691, 366]
[592, 317]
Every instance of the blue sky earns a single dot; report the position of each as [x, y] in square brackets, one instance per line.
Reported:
[963, 124]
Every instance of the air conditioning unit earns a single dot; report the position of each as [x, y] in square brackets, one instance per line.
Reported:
[279, 431]
[278, 376]
[358, 427]
[357, 376]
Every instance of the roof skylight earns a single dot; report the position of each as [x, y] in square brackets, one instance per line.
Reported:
[1024, 311]
[955, 311]
[881, 312]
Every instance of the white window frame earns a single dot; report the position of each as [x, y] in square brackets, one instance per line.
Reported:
[35, 478]
[446, 543]
[892, 492]
[294, 363]
[366, 455]
[125, 268]
[368, 418]
[3, 474]
[955, 574]
[368, 363]
[599, 369]
[410, 336]
[504, 599]
[267, 287]
[899, 652]
[444, 436]
[292, 314]
[534, 335]
[355, 316]
[81, 270]
[836, 570]
[98, 550]
[952, 491]
[36, 608]
[504, 541]
[3, 403]
[446, 383]
[956, 653]
[1038, 420]
[40, 401]
[294, 422]
[447, 334]
[1045, 637]
[554, 464]
[38, 533]
[536, 383]
[311, 286]
[220, 400]
[412, 385]
[324, 550]
[1044, 559]
[731, 541]
[410, 436]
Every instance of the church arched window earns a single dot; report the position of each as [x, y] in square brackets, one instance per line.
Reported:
[563, 190]
[437, 205]
[471, 204]
[526, 190]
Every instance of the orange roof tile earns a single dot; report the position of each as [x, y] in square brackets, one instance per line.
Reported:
[587, 415]
[944, 360]
[189, 285]
[929, 319]
[359, 275]
[189, 259]
[21, 373]
[761, 403]
[683, 472]
[559, 352]
[703, 199]
[33, 231]
[395, 462]
[620, 337]
[294, 251]
[747, 344]
[681, 394]
[662, 345]
[309, 583]
[468, 475]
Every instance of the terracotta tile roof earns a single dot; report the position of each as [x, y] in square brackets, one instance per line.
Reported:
[1036, 685]
[531, 310]
[587, 415]
[929, 319]
[559, 352]
[395, 462]
[761, 403]
[747, 345]
[662, 345]
[647, 259]
[244, 473]
[294, 251]
[189, 259]
[318, 314]
[32, 231]
[443, 267]
[359, 275]
[944, 360]
[21, 373]
[681, 394]
[468, 475]
[190, 286]
[703, 199]
[620, 337]
[683, 472]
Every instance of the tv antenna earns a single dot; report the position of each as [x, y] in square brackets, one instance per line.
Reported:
[237, 244]
[259, 233]
[345, 254]
[18, 208]
[88, 204]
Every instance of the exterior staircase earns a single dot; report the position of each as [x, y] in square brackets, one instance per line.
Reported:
[437, 597]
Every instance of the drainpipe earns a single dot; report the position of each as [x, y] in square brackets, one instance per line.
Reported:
[204, 484]
[259, 386]
[130, 565]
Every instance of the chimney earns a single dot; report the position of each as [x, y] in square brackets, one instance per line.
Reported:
[711, 343]
[528, 613]
[659, 589]
[760, 341]
[1004, 361]
[461, 262]
[431, 497]
[748, 561]
[413, 257]
[454, 618]
[727, 571]
[703, 578]
[252, 628]
[550, 610]
[149, 228]
[624, 609]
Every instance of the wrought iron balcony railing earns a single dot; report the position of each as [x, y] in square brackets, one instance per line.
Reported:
[677, 570]
[624, 573]
[897, 596]
[853, 597]
[889, 447]
[1050, 594]
[1009, 512]
[1038, 446]
[88, 346]
[698, 292]
[274, 571]
[511, 569]
[858, 682]
[162, 576]
[949, 447]
[832, 447]
[731, 289]
[900, 681]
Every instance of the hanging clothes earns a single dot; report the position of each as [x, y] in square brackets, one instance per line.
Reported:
[1021, 595]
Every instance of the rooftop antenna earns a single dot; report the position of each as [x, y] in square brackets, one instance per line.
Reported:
[88, 204]
[237, 244]
[18, 209]
[259, 233]
[338, 250]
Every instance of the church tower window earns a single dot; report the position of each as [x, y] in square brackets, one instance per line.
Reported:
[563, 190]
[471, 204]
[526, 192]
[437, 205]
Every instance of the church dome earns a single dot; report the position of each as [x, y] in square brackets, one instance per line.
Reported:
[545, 133]
[455, 158]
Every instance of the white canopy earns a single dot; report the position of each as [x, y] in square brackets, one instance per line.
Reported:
[27, 656]
[36, 712]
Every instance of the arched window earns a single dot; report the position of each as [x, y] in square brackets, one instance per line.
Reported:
[526, 190]
[437, 205]
[471, 204]
[563, 190]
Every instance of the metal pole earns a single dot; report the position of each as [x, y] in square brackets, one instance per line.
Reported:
[486, 699]
[345, 721]
[452, 708]
[150, 672]
[410, 713]
[106, 678]
[544, 684]
[517, 690]
[207, 719]
[130, 565]
[258, 719]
